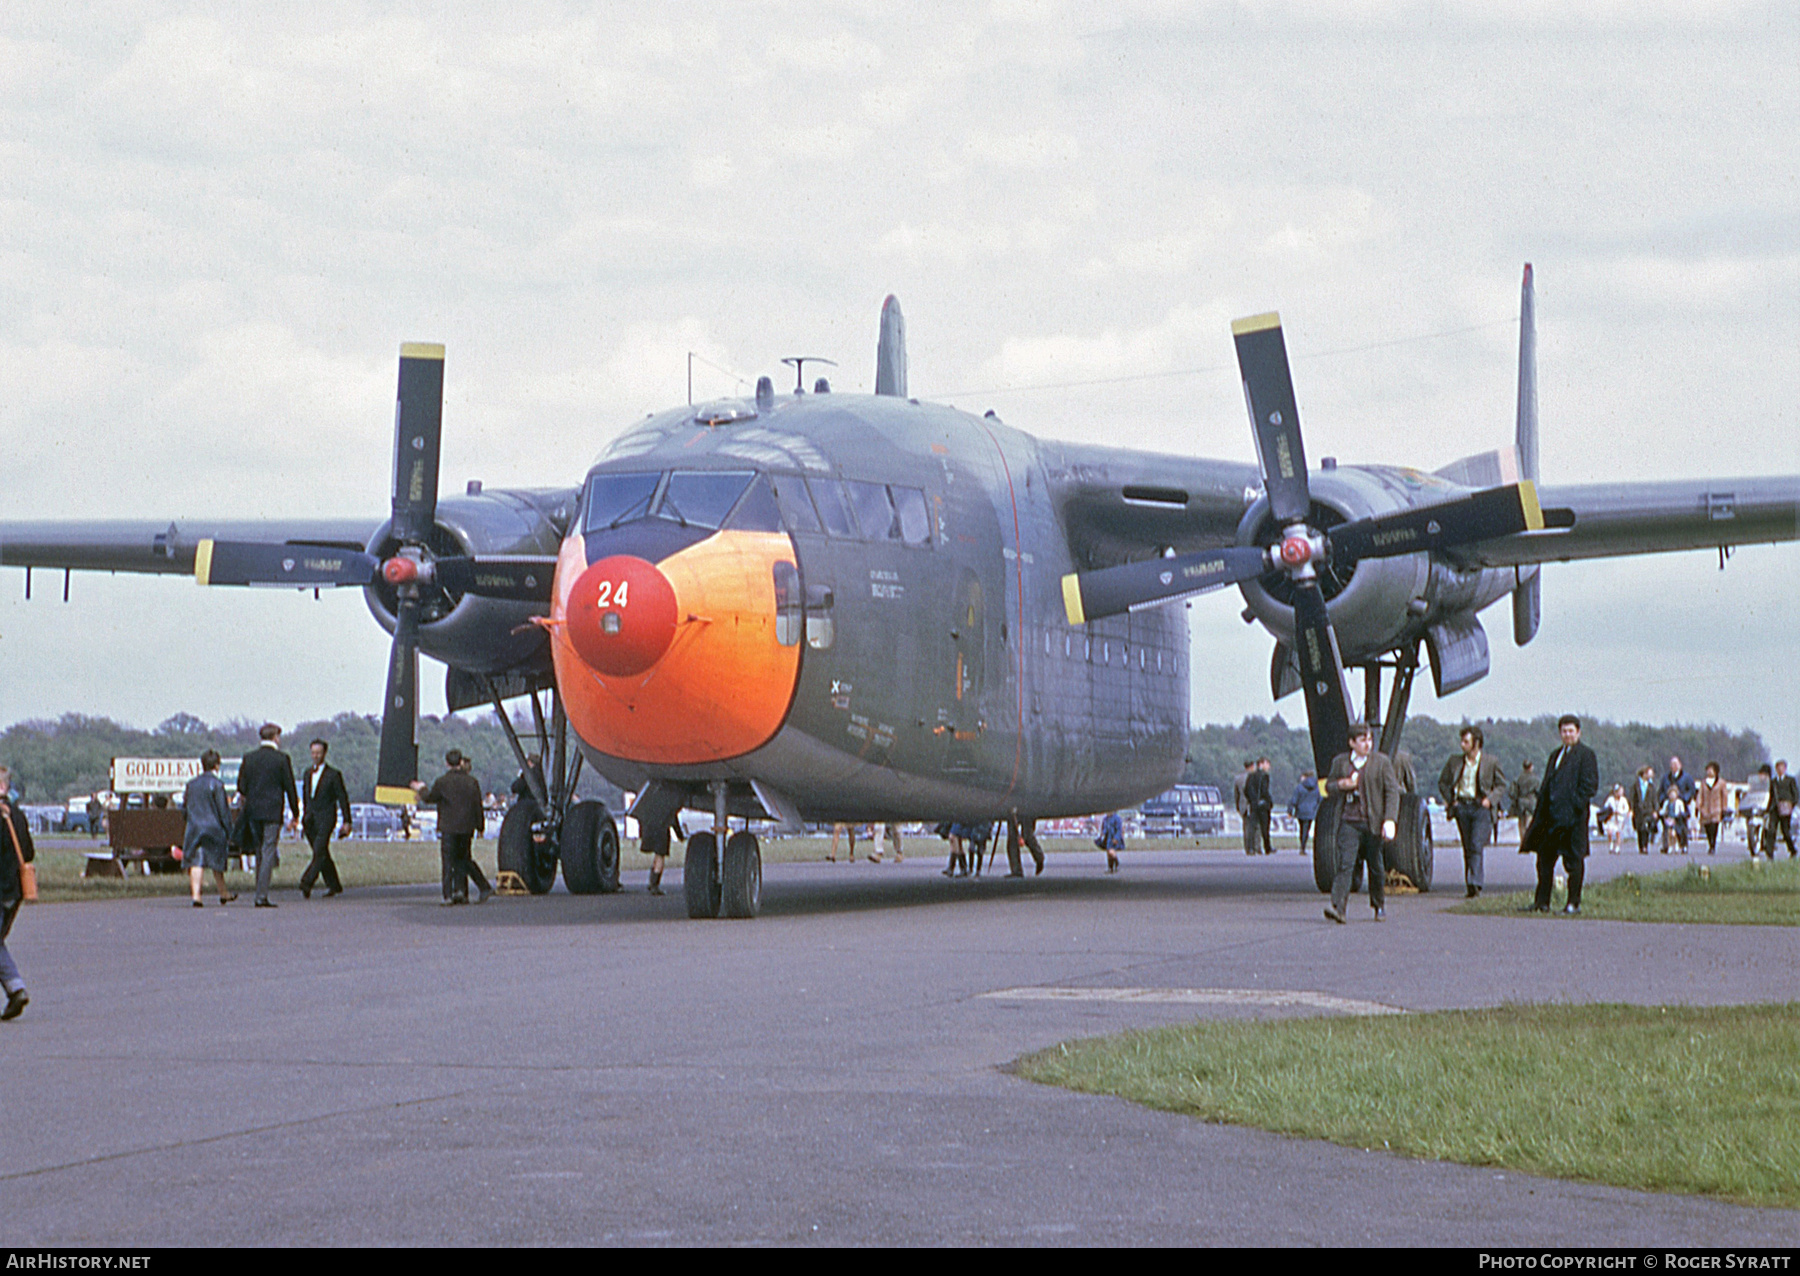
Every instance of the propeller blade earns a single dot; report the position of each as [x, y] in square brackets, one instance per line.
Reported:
[298, 566]
[1269, 394]
[1321, 676]
[517, 579]
[418, 436]
[1093, 595]
[1484, 515]
[398, 766]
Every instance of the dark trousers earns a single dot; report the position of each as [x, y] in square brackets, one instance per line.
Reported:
[1784, 825]
[1476, 825]
[322, 865]
[1357, 845]
[1559, 843]
[1644, 831]
[1305, 832]
[454, 849]
[1261, 815]
[1022, 834]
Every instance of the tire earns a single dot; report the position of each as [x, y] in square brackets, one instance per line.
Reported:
[1325, 830]
[534, 862]
[1413, 853]
[579, 848]
[700, 875]
[609, 854]
[513, 854]
[741, 892]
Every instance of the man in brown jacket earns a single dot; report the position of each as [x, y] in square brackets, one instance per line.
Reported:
[457, 796]
[1471, 784]
[1369, 788]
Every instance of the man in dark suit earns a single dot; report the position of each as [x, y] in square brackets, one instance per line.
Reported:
[1470, 784]
[1262, 804]
[322, 789]
[1571, 778]
[266, 779]
[457, 796]
[1369, 816]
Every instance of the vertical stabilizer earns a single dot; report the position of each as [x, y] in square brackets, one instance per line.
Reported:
[890, 351]
[1527, 600]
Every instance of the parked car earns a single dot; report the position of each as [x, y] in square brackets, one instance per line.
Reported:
[1187, 810]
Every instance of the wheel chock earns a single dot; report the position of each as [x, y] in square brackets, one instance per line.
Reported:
[507, 882]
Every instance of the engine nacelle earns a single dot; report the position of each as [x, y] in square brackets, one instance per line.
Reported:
[1380, 603]
[481, 635]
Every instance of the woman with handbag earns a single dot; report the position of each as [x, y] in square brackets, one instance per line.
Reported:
[18, 881]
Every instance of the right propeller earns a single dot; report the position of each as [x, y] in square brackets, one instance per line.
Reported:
[1302, 548]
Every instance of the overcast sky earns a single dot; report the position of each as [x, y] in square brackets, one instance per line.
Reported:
[218, 223]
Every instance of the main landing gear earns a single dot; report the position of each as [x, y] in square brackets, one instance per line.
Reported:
[1412, 852]
[548, 825]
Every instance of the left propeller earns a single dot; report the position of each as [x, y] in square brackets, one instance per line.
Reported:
[412, 569]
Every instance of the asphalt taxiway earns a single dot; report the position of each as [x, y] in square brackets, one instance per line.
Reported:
[375, 1069]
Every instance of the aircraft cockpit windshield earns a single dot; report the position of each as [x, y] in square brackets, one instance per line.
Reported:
[749, 501]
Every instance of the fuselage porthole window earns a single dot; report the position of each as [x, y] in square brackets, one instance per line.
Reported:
[789, 614]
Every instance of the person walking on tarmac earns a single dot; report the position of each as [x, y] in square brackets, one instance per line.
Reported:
[324, 796]
[1469, 784]
[266, 779]
[1369, 818]
[458, 798]
[16, 852]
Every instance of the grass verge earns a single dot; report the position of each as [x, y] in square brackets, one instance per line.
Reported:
[1702, 1100]
[59, 870]
[1744, 892]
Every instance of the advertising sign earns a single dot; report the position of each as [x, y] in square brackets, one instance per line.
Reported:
[164, 775]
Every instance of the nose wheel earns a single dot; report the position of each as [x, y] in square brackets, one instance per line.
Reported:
[700, 875]
[741, 891]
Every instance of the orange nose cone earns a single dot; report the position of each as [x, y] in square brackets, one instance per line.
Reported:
[621, 615]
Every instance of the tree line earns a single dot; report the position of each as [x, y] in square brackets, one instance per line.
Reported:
[1216, 754]
[53, 761]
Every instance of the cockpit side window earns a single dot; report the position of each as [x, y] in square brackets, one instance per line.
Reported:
[834, 506]
[757, 512]
[796, 506]
[702, 498]
[912, 517]
[873, 510]
[617, 498]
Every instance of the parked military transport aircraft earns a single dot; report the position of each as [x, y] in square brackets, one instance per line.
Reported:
[846, 607]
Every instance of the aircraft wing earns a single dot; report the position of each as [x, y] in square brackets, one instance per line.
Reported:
[1605, 520]
[1118, 504]
[155, 546]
